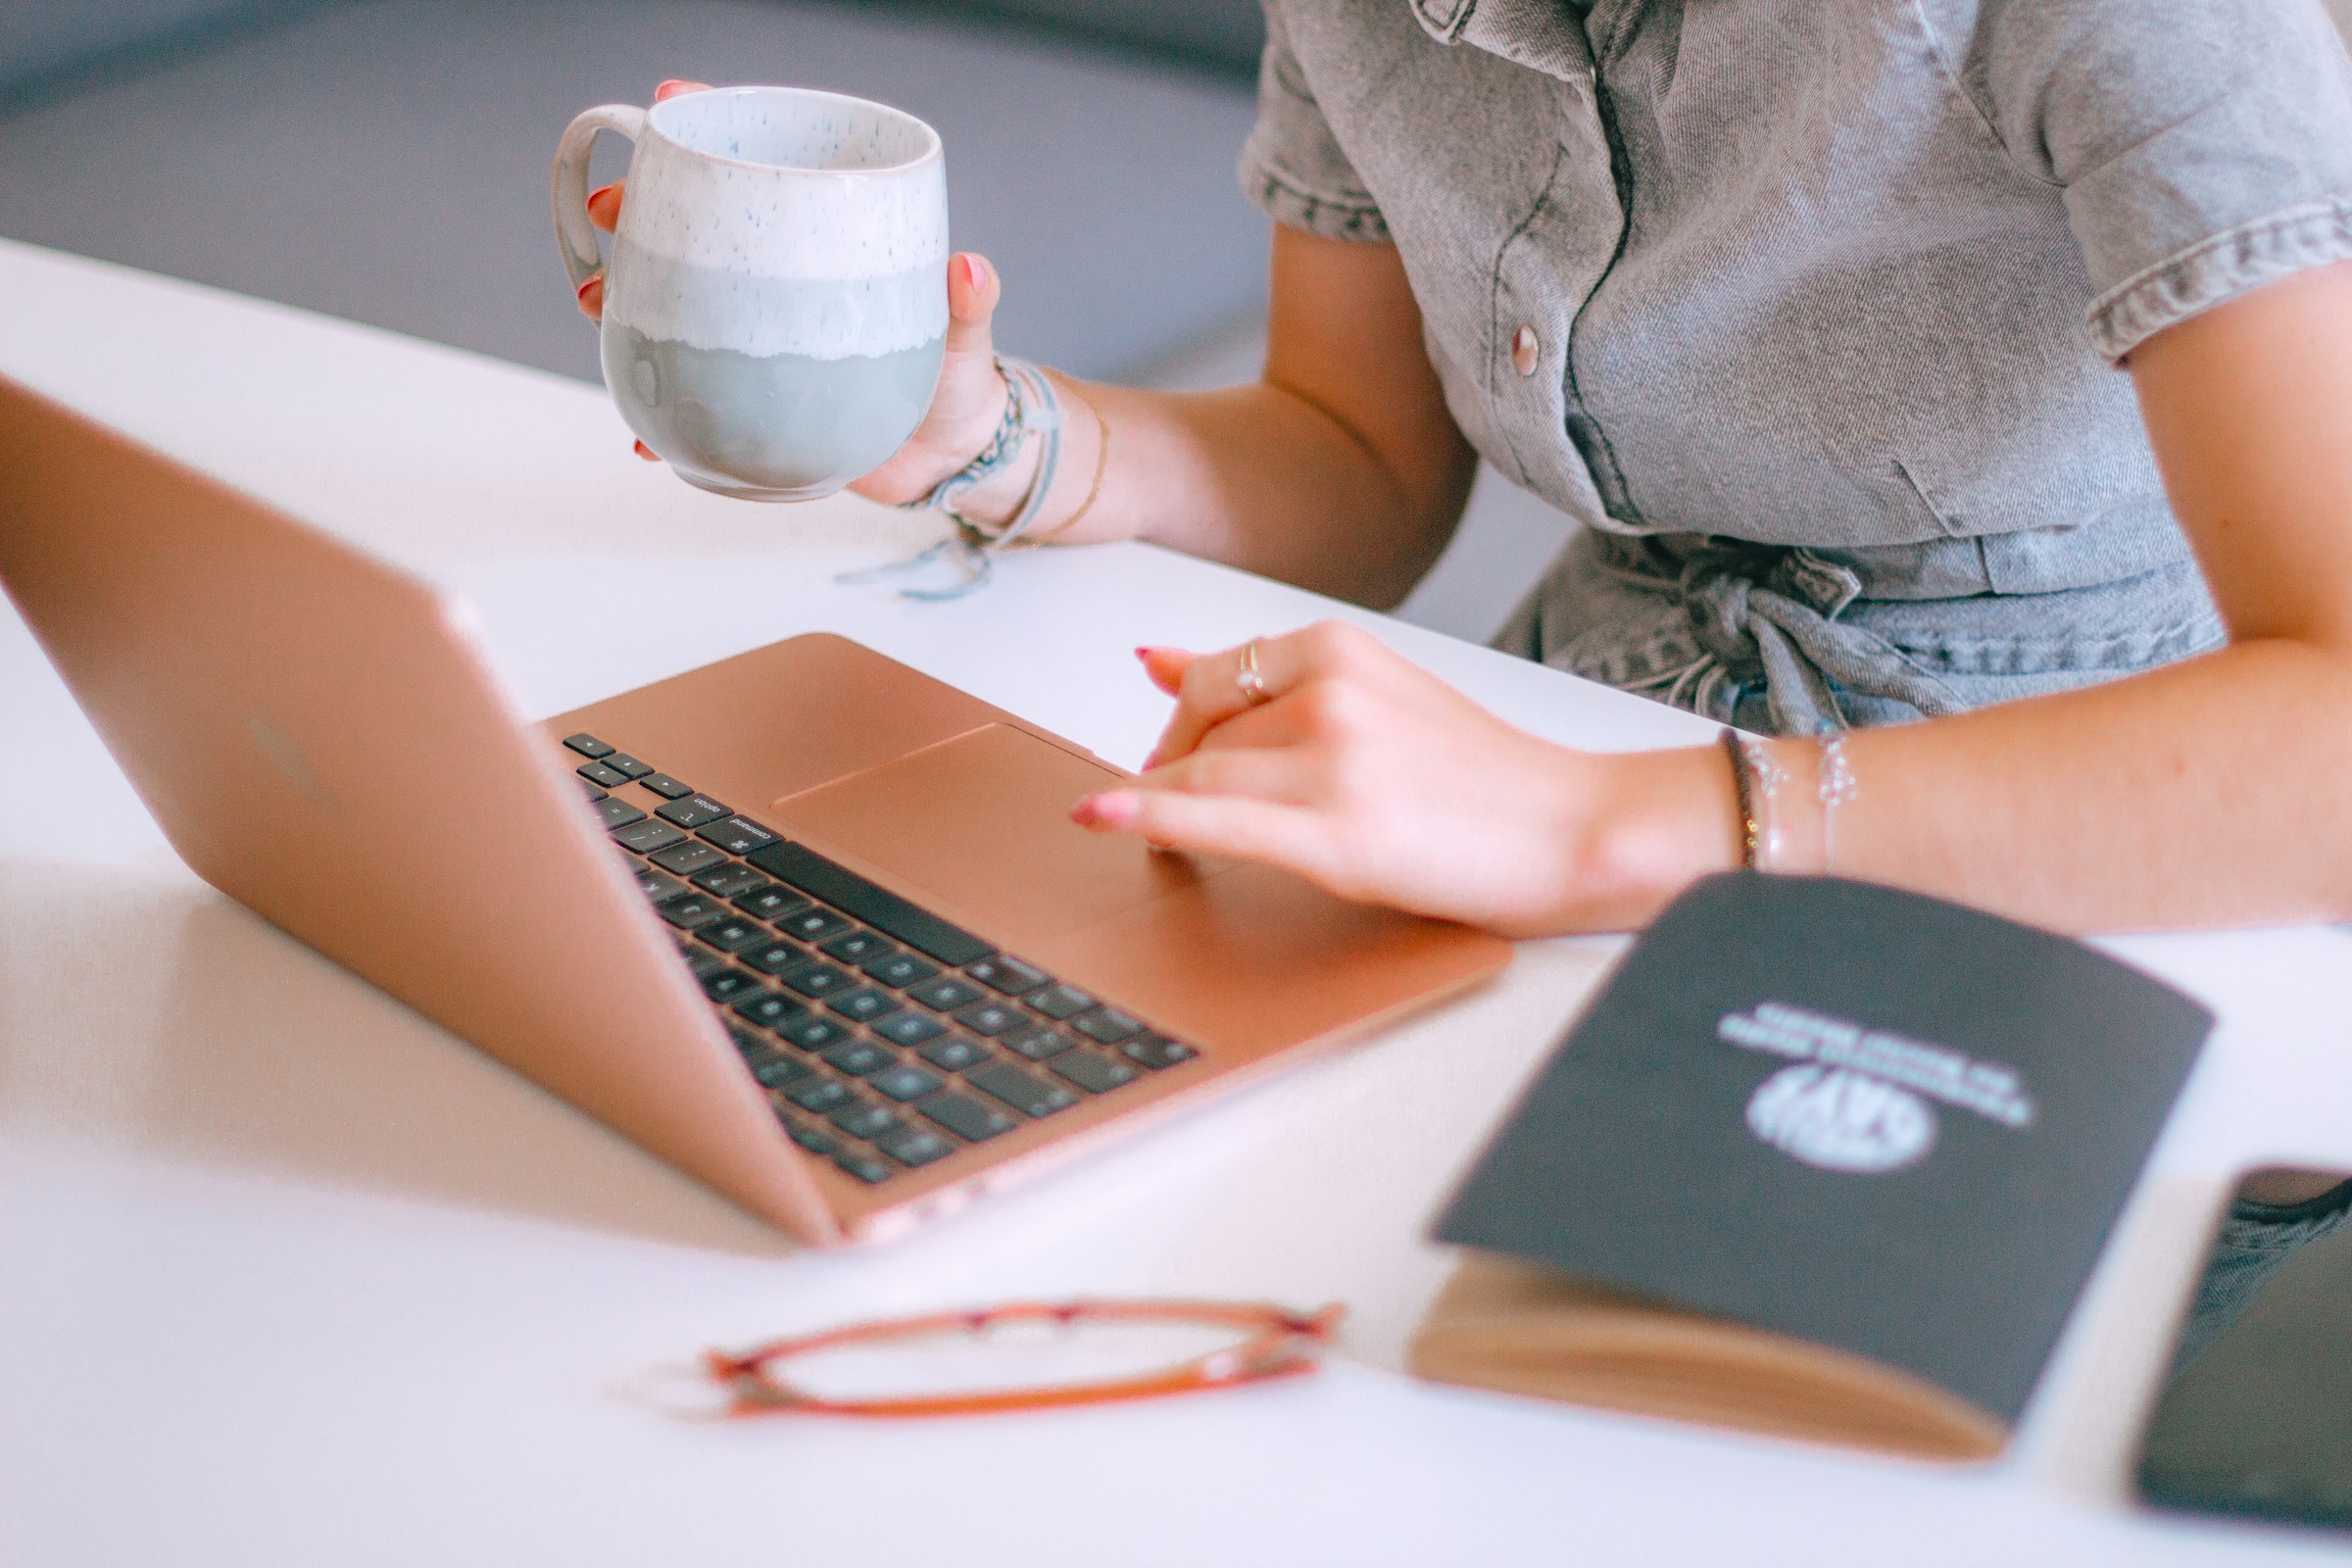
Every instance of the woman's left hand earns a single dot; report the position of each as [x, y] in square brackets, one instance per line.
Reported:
[1372, 778]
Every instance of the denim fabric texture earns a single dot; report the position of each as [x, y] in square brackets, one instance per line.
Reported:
[1809, 310]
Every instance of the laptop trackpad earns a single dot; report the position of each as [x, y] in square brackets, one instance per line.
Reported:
[982, 823]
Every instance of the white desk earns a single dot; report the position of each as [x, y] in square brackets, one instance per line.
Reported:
[289, 1276]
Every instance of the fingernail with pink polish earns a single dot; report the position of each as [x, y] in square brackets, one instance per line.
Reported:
[976, 270]
[1109, 810]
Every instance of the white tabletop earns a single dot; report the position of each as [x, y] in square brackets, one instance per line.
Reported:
[289, 1275]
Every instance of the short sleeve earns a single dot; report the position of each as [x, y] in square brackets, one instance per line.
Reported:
[1291, 166]
[2203, 147]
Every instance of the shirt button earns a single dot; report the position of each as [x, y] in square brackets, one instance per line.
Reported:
[1525, 347]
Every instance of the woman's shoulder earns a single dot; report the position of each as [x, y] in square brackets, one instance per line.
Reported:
[2064, 81]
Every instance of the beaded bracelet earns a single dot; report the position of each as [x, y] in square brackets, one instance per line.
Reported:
[1836, 787]
[1757, 776]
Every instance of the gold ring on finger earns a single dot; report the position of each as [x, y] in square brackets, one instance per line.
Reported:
[1251, 683]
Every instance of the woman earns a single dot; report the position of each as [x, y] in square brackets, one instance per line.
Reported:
[1812, 313]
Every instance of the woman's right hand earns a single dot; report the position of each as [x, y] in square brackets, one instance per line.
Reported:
[968, 402]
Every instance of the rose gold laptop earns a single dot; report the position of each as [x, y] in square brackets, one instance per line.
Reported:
[807, 923]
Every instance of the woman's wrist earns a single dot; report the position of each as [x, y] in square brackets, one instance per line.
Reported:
[1791, 793]
[995, 501]
[1074, 486]
[1657, 822]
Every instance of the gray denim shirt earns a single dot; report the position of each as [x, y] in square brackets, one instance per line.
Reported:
[1809, 310]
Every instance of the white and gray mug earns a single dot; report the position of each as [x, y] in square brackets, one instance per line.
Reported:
[775, 301]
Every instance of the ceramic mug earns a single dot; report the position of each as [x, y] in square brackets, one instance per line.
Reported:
[776, 296]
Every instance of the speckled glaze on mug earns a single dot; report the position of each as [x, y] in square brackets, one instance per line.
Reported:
[775, 298]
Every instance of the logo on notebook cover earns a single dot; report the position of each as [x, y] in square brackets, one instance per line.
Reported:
[1841, 1120]
[1856, 1099]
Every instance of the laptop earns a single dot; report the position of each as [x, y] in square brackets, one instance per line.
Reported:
[808, 924]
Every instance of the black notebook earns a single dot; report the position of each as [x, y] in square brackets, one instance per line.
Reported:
[1822, 1159]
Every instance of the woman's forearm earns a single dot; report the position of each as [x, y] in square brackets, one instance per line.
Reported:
[2215, 792]
[1258, 477]
[1340, 469]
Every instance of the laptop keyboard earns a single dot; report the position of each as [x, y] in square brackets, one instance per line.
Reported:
[884, 1037]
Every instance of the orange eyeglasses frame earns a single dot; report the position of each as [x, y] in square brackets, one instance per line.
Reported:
[1281, 1343]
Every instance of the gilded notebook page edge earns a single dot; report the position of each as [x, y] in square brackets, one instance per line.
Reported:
[1521, 1329]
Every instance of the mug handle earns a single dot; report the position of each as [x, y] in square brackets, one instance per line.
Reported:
[576, 237]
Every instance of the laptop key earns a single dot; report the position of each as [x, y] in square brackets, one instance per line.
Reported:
[770, 1010]
[857, 947]
[656, 885]
[769, 901]
[610, 779]
[869, 901]
[616, 814]
[913, 1145]
[989, 1018]
[1006, 973]
[1038, 1043]
[738, 835]
[818, 1095]
[645, 835]
[782, 1073]
[687, 859]
[967, 1118]
[1058, 1001]
[1157, 1051]
[1106, 1024]
[908, 1028]
[813, 924]
[695, 811]
[625, 765]
[953, 1053]
[702, 960]
[898, 970]
[729, 880]
[1097, 1075]
[733, 934]
[692, 910]
[587, 745]
[864, 1003]
[815, 979]
[858, 1058]
[867, 1120]
[725, 985]
[750, 1044]
[775, 957]
[905, 1082]
[669, 789]
[946, 994]
[594, 794]
[1024, 1093]
[813, 1033]
[866, 1167]
[807, 1137]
